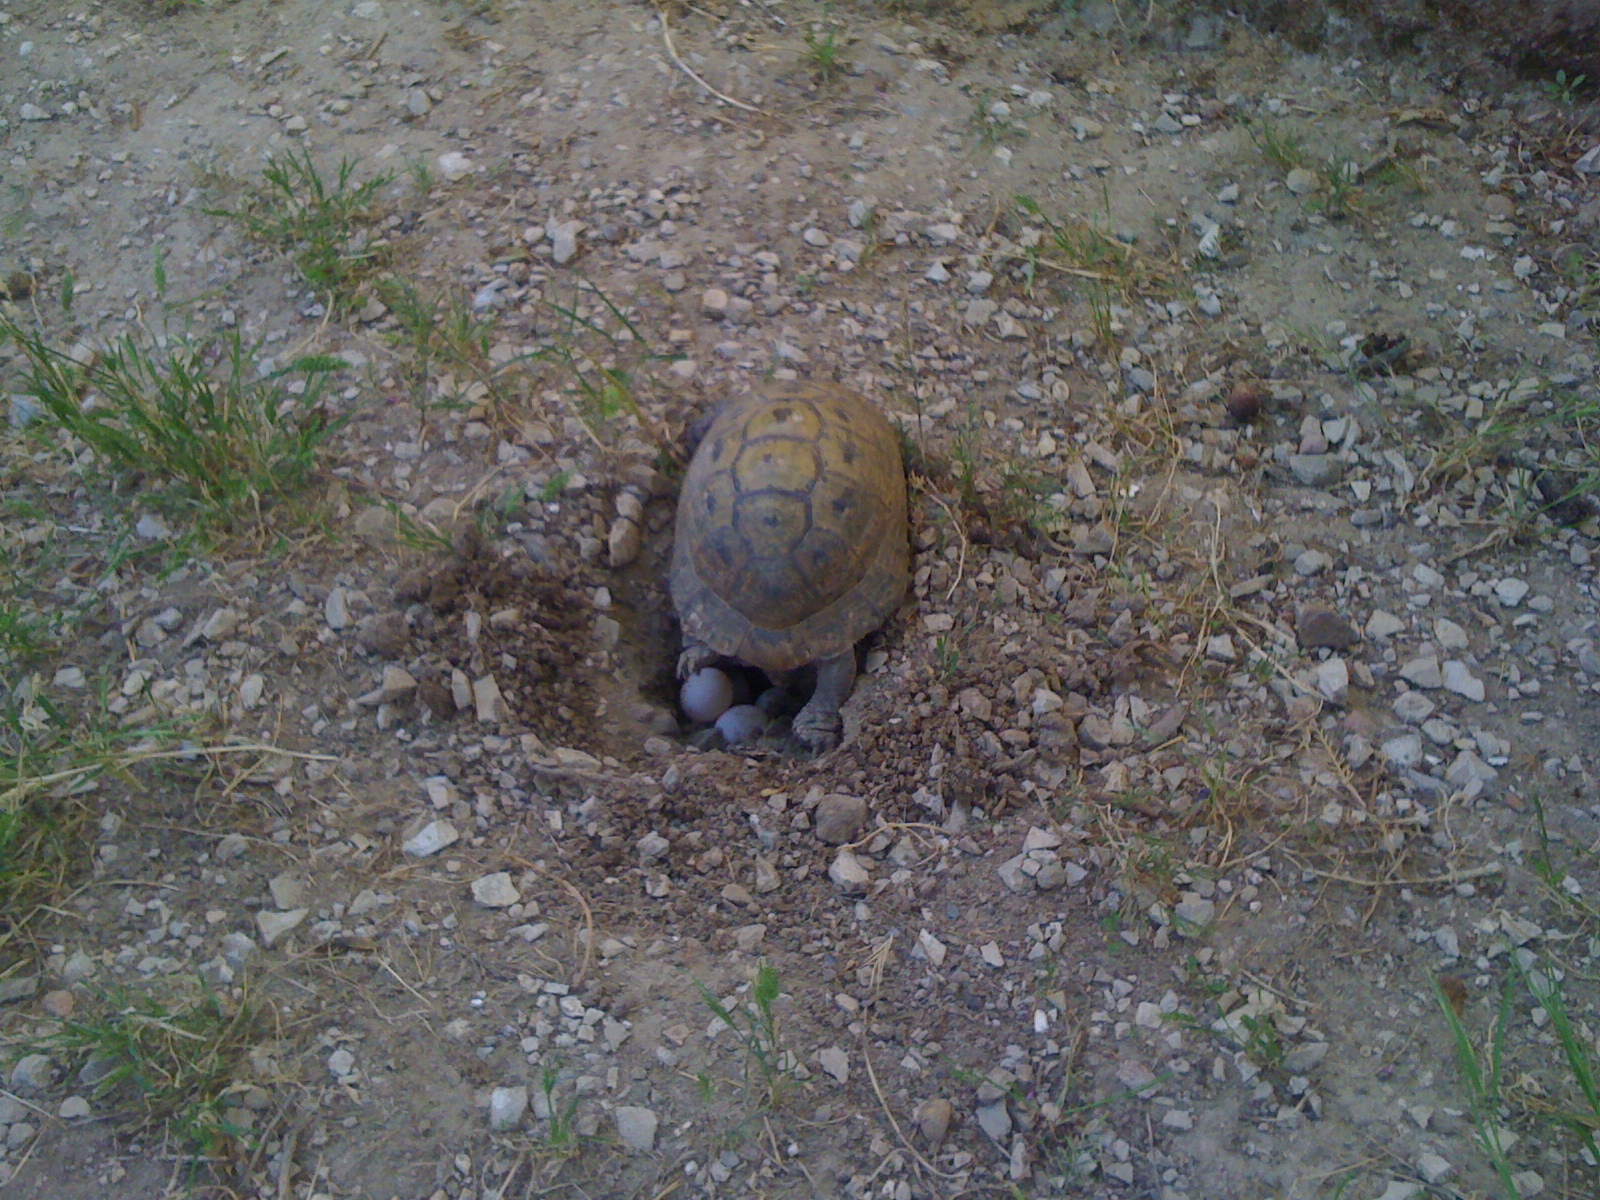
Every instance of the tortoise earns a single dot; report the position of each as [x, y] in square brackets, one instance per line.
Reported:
[792, 541]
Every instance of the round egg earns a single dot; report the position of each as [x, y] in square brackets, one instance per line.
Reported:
[706, 694]
[742, 723]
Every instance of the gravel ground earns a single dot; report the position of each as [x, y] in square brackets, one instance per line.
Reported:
[1237, 738]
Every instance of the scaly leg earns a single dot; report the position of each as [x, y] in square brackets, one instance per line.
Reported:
[693, 657]
[819, 724]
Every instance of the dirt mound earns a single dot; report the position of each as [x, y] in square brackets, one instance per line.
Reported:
[1525, 35]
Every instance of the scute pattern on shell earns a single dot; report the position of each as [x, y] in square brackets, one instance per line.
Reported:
[791, 539]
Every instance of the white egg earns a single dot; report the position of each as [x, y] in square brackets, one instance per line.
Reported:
[706, 694]
[742, 723]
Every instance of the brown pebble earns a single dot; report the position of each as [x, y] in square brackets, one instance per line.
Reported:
[1322, 627]
[58, 1004]
[933, 1119]
[1246, 400]
[384, 634]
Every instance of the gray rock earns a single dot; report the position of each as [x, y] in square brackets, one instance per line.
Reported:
[336, 609]
[835, 1062]
[288, 891]
[495, 891]
[1449, 635]
[1305, 1058]
[1193, 913]
[1423, 672]
[995, 1120]
[1459, 679]
[1316, 470]
[849, 874]
[1301, 181]
[73, 1108]
[429, 838]
[1510, 592]
[507, 1105]
[839, 818]
[1382, 625]
[636, 1126]
[1404, 751]
[33, 1073]
[273, 925]
[1412, 707]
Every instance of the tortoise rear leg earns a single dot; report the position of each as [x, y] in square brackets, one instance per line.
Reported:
[694, 656]
[819, 723]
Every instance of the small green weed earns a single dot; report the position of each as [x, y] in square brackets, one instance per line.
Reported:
[437, 331]
[1280, 146]
[169, 1060]
[324, 227]
[1564, 90]
[601, 390]
[1340, 194]
[193, 413]
[823, 52]
[1483, 1075]
[562, 1138]
[992, 120]
[755, 1024]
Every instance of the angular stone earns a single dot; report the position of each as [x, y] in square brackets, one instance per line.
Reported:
[273, 925]
[506, 1108]
[1423, 672]
[636, 1127]
[1316, 470]
[1404, 751]
[496, 890]
[848, 874]
[1412, 707]
[429, 838]
[1382, 625]
[835, 1062]
[1459, 679]
[1449, 635]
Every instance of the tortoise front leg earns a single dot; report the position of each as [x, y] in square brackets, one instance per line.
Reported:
[694, 656]
[819, 724]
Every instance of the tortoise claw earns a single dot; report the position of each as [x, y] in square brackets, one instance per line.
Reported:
[694, 658]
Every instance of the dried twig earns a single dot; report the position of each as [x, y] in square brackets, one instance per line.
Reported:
[866, 1057]
[1431, 881]
[672, 53]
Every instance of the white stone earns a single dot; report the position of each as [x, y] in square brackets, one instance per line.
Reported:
[273, 925]
[1432, 1167]
[1333, 680]
[1412, 707]
[636, 1126]
[430, 838]
[848, 874]
[932, 948]
[1510, 592]
[1404, 751]
[496, 890]
[506, 1108]
[835, 1062]
[1460, 680]
[1423, 672]
[1383, 625]
[455, 165]
[1449, 635]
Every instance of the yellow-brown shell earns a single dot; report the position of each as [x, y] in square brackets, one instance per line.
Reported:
[791, 541]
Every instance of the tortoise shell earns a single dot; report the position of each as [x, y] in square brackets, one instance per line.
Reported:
[792, 539]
